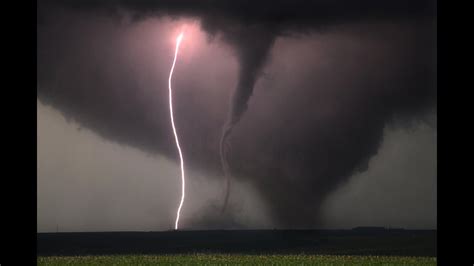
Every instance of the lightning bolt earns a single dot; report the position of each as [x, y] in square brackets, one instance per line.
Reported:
[178, 41]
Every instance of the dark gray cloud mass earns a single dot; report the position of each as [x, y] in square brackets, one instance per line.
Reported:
[295, 145]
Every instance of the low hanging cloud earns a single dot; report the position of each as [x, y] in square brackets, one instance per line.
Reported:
[314, 84]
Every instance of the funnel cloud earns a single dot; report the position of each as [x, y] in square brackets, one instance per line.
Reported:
[292, 98]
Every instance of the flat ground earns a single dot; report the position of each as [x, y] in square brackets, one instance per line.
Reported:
[234, 259]
[397, 243]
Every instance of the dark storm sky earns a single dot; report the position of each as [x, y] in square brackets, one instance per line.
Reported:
[312, 84]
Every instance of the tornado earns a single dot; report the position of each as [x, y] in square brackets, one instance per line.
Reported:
[252, 46]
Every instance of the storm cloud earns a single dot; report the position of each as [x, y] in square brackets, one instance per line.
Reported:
[315, 84]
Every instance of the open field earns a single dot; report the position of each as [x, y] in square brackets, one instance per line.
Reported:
[403, 243]
[233, 259]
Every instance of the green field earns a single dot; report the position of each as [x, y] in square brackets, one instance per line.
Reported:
[234, 259]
